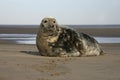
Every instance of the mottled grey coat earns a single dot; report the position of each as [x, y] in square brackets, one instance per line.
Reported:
[54, 40]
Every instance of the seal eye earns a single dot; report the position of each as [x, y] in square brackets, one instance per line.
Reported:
[45, 21]
[53, 21]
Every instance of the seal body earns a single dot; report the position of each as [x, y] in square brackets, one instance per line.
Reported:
[54, 40]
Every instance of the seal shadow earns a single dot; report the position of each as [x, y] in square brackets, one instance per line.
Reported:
[31, 53]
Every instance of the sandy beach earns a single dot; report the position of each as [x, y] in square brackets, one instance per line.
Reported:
[67, 27]
[22, 62]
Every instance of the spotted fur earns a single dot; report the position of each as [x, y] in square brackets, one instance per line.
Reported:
[54, 40]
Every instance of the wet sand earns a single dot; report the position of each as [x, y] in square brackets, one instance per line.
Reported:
[104, 32]
[23, 62]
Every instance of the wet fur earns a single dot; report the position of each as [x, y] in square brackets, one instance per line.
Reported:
[63, 41]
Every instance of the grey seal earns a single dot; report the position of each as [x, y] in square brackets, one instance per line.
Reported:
[55, 40]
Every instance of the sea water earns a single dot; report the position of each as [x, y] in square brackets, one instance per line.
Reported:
[31, 38]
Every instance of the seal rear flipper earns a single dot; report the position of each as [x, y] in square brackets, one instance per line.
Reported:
[102, 53]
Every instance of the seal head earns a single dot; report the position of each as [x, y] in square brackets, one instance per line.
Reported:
[49, 26]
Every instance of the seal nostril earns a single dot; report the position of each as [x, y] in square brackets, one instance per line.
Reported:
[52, 26]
